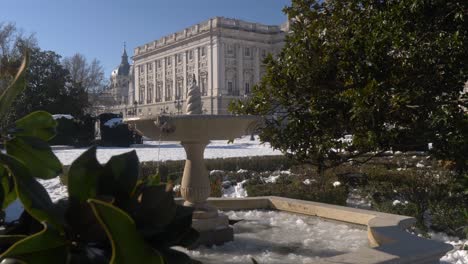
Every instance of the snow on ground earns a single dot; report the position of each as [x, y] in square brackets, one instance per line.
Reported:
[236, 191]
[280, 237]
[242, 147]
[58, 116]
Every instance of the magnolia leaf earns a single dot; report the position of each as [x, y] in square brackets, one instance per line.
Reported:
[120, 176]
[46, 246]
[83, 176]
[3, 181]
[39, 124]
[127, 244]
[8, 240]
[157, 208]
[35, 152]
[16, 87]
[32, 194]
[177, 233]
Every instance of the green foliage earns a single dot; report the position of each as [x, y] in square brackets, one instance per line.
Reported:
[291, 187]
[74, 132]
[388, 72]
[110, 215]
[127, 244]
[47, 87]
[420, 192]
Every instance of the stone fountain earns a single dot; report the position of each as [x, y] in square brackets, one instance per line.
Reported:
[194, 131]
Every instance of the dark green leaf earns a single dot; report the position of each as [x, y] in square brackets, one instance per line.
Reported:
[8, 240]
[47, 246]
[3, 180]
[83, 223]
[156, 209]
[83, 176]
[32, 194]
[127, 244]
[178, 233]
[8, 188]
[15, 88]
[38, 124]
[120, 176]
[35, 152]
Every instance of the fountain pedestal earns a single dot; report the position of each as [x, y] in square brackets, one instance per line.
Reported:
[195, 189]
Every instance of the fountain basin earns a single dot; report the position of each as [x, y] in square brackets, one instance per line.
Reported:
[278, 237]
[194, 128]
[387, 238]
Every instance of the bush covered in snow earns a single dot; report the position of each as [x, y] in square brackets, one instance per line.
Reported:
[431, 195]
[74, 131]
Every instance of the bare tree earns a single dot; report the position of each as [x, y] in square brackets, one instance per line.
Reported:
[89, 75]
[12, 44]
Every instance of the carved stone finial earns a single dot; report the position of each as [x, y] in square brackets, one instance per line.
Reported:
[194, 105]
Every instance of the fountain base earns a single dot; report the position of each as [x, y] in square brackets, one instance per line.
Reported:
[214, 237]
[213, 231]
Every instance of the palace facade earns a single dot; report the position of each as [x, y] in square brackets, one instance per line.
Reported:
[225, 56]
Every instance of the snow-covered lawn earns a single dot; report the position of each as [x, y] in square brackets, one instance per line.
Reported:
[242, 147]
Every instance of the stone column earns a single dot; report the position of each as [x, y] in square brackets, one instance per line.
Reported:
[195, 187]
[174, 79]
[136, 87]
[240, 69]
[163, 77]
[256, 66]
[155, 70]
[184, 67]
[145, 90]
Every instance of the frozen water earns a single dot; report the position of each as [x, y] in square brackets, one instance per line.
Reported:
[280, 237]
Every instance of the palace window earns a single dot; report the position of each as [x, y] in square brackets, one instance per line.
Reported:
[229, 86]
[141, 95]
[230, 49]
[168, 91]
[149, 98]
[203, 51]
[178, 91]
[158, 92]
[203, 86]
[179, 58]
[168, 61]
[150, 66]
[190, 54]
[247, 88]
[263, 53]
[142, 69]
[247, 52]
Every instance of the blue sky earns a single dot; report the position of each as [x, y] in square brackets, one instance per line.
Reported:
[98, 28]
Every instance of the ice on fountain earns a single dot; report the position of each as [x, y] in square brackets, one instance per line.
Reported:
[280, 237]
[194, 104]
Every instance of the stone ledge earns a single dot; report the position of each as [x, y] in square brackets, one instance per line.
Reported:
[389, 242]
